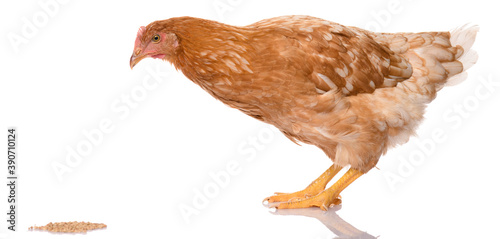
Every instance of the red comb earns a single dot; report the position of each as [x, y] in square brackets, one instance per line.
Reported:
[139, 35]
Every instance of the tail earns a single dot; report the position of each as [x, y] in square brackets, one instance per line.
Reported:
[438, 59]
[464, 36]
[443, 57]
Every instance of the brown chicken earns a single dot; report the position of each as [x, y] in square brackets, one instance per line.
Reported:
[351, 92]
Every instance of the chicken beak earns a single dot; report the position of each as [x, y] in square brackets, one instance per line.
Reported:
[136, 58]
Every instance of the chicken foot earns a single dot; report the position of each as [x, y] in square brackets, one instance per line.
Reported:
[313, 189]
[327, 197]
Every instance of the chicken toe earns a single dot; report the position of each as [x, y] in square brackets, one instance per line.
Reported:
[326, 198]
[313, 189]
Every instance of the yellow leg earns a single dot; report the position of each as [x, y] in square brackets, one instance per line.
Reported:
[313, 189]
[328, 196]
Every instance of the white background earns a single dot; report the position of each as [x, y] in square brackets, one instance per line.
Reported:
[72, 72]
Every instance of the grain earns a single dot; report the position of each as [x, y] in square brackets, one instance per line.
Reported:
[72, 227]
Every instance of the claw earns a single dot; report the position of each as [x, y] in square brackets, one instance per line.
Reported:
[323, 201]
[290, 197]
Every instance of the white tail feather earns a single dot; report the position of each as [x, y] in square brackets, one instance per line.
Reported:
[464, 36]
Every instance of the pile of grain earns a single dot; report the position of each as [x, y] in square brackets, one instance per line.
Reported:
[75, 227]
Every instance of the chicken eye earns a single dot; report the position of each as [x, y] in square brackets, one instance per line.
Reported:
[156, 38]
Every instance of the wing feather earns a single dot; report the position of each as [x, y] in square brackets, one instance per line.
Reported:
[340, 58]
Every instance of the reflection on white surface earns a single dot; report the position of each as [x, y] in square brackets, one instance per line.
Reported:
[330, 219]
